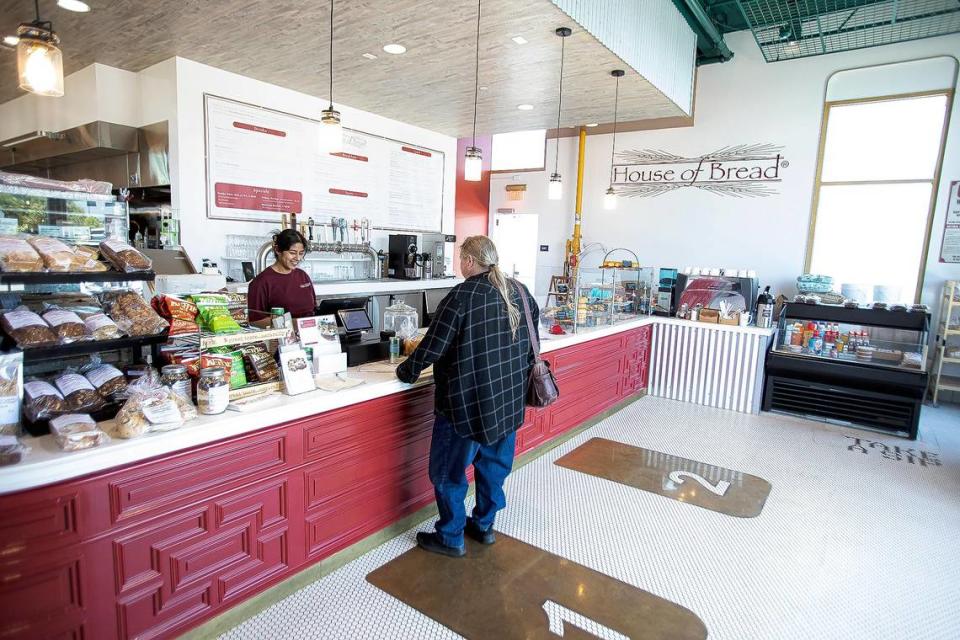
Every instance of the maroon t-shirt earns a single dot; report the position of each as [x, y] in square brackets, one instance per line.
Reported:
[292, 291]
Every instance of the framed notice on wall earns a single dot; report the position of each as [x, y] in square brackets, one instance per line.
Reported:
[263, 163]
[950, 247]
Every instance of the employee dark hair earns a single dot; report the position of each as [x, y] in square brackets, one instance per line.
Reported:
[285, 239]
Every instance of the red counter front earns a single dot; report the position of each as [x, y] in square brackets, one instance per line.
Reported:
[152, 549]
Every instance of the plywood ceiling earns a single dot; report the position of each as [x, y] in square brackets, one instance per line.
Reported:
[432, 85]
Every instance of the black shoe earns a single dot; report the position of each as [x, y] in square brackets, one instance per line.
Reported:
[483, 536]
[431, 542]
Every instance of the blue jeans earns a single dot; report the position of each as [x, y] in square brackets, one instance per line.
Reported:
[450, 455]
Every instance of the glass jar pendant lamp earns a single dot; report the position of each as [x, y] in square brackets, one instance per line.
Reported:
[473, 158]
[331, 131]
[555, 186]
[39, 59]
[610, 197]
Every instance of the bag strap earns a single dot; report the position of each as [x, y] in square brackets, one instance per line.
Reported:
[532, 330]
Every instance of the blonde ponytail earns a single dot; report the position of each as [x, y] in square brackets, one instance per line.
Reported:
[484, 252]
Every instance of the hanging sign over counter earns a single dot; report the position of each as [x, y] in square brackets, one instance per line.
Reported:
[950, 247]
[742, 171]
[263, 163]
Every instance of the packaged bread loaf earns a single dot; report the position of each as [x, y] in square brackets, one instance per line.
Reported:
[78, 393]
[66, 325]
[55, 254]
[75, 431]
[11, 451]
[123, 257]
[27, 328]
[11, 382]
[151, 407]
[41, 400]
[106, 379]
[86, 259]
[16, 254]
[132, 314]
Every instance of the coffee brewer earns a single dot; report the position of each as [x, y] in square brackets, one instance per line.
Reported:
[403, 257]
[440, 246]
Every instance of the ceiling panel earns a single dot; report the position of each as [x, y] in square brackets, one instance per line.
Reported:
[285, 42]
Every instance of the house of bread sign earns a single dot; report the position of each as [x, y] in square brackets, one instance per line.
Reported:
[743, 171]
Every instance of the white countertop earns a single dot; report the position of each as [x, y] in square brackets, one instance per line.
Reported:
[371, 286]
[47, 463]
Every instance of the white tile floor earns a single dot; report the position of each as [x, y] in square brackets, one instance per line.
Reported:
[849, 545]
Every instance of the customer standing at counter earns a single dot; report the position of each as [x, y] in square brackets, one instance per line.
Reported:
[282, 284]
[481, 353]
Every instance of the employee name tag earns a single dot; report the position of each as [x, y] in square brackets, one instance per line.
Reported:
[704, 485]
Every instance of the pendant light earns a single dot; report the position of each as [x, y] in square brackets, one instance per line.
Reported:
[473, 158]
[39, 60]
[555, 186]
[331, 132]
[610, 198]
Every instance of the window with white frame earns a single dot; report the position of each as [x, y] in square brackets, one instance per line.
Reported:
[519, 151]
[875, 190]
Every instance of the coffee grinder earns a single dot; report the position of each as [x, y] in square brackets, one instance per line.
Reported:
[403, 257]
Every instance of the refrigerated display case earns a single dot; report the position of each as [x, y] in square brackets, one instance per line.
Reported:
[74, 216]
[858, 366]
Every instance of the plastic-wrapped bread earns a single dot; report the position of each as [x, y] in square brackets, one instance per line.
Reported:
[75, 431]
[87, 259]
[55, 254]
[124, 257]
[132, 314]
[16, 254]
[27, 328]
[67, 325]
[41, 400]
[78, 393]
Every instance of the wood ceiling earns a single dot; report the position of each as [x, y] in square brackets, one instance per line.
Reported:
[432, 85]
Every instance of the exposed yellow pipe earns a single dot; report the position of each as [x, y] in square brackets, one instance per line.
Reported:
[573, 245]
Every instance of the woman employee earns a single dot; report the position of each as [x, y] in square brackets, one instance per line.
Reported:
[282, 284]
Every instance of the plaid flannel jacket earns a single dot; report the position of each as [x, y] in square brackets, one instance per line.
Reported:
[480, 370]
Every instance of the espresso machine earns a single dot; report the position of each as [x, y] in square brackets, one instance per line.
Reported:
[403, 257]
[440, 247]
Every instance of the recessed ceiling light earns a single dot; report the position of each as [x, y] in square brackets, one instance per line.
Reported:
[11, 41]
[519, 39]
[395, 49]
[525, 107]
[483, 88]
[369, 56]
[592, 124]
[73, 5]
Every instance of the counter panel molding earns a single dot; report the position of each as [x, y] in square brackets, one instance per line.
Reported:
[154, 548]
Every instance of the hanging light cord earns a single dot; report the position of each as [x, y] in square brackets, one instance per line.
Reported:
[331, 55]
[476, 78]
[556, 155]
[36, 5]
[616, 102]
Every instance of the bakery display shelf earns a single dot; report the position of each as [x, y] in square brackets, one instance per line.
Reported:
[56, 277]
[845, 358]
[42, 427]
[949, 383]
[35, 354]
[248, 335]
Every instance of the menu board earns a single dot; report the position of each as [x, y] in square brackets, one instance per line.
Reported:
[263, 163]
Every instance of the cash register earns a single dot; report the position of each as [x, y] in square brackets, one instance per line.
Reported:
[355, 327]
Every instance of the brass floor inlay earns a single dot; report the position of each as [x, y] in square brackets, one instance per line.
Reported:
[729, 492]
[514, 590]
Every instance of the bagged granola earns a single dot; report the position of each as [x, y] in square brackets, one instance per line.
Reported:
[41, 400]
[67, 325]
[132, 314]
[27, 328]
[11, 386]
[124, 257]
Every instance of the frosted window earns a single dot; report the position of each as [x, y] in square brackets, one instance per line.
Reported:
[872, 235]
[889, 140]
[519, 150]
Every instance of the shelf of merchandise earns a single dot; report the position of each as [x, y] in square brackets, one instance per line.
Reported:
[36, 354]
[71, 277]
[248, 335]
[939, 381]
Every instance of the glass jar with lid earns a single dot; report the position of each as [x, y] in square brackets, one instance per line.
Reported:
[213, 391]
[175, 377]
[402, 319]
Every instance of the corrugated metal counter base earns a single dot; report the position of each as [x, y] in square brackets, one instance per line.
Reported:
[712, 365]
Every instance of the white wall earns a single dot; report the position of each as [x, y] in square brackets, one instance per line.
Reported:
[743, 101]
[204, 238]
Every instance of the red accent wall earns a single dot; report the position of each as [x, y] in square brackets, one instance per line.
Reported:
[155, 548]
[472, 211]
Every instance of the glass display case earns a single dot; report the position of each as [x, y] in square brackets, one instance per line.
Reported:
[74, 216]
[859, 366]
[602, 297]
